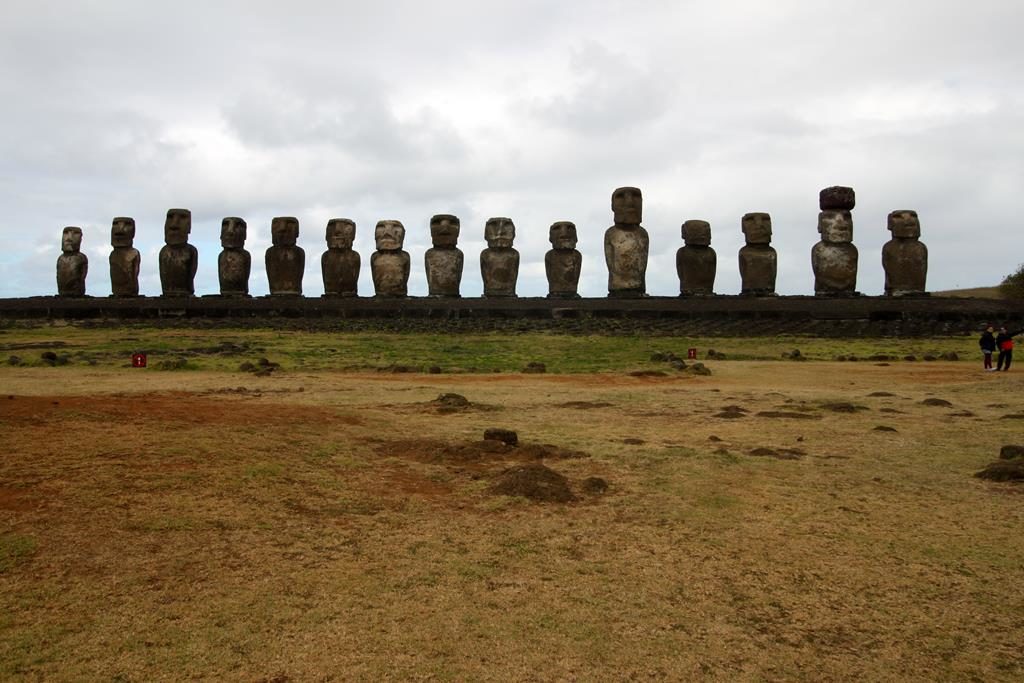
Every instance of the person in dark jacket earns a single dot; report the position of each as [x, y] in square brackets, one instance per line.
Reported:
[988, 346]
[1004, 342]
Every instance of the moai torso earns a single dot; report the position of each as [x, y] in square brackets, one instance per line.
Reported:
[285, 262]
[905, 257]
[340, 263]
[178, 259]
[125, 260]
[234, 263]
[72, 264]
[696, 263]
[626, 245]
[834, 258]
[389, 265]
[499, 262]
[758, 260]
[444, 261]
[562, 264]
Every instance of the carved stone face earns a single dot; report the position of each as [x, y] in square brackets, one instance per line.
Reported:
[904, 224]
[71, 240]
[499, 233]
[177, 226]
[341, 233]
[389, 235]
[697, 233]
[284, 231]
[835, 227]
[444, 230]
[563, 235]
[232, 233]
[122, 232]
[627, 206]
[757, 228]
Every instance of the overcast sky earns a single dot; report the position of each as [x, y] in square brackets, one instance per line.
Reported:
[527, 109]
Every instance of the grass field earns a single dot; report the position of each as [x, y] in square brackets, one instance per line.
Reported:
[776, 520]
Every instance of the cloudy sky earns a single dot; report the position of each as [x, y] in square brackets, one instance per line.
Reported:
[527, 109]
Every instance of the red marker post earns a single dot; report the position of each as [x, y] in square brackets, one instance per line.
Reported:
[691, 354]
[138, 360]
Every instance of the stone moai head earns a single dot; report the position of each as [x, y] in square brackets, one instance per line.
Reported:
[177, 226]
[444, 230]
[499, 233]
[71, 240]
[697, 233]
[757, 228]
[627, 206]
[835, 227]
[122, 232]
[341, 233]
[389, 235]
[284, 231]
[903, 224]
[232, 233]
[837, 198]
[563, 235]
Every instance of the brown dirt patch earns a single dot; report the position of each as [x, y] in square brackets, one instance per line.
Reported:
[17, 499]
[788, 415]
[487, 450]
[534, 482]
[1003, 470]
[586, 405]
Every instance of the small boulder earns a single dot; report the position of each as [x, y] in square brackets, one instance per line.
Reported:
[535, 367]
[505, 436]
[1003, 470]
[1010, 451]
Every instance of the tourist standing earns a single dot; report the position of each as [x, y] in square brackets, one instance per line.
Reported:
[1004, 342]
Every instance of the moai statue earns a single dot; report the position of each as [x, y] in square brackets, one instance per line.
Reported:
[758, 260]
[626, 245]
[340, 263]
[834, 258]
[905, 257]
[499, 262]
[72, 264]
[444, 260]
[696, 263]
[125, 260]
[563, 262]
[178, 259]
[285, 261]
[234, 263]
[389, 265]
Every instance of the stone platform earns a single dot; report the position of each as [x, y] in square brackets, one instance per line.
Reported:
[733, 315]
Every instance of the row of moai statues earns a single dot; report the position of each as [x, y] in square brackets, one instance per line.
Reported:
[626, 246]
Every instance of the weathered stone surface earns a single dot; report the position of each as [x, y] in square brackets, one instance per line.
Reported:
[234, 263]
[178, 259]
[389, 265]
[696, 263]
[626, 245]
[340, 264]
[837, 198]
[72, 264]
[905, 257]
[834, 258]
[444, 261]
[125, 261]
[758, 259]
[563, 262]
[499, 262]
[285, 261]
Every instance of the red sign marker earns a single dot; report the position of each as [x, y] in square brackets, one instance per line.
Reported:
[138, 360]
[691, 354]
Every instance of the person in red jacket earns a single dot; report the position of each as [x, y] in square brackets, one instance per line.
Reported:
[1004, 342]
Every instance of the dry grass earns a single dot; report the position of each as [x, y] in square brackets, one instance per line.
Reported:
[326, 526]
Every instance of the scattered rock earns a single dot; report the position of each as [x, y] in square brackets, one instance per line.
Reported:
[785, 414]
[731, 413]
[49, 357]
[880, 357]
[715, 355]
[780, 454]
[247, 367]
[175, 364]
[842, 407]
[941, 402]
[699, 369]
[852, 358]
[505, 436]
[910, 357]
[677, 364]
[793, 355]
[883, 428]
[890, 410]
[1003, 470]
[950, 355]
[450, 403]
[648, 373]
[1011, 451]
[735, 409]
[594, 485]
[535, 482]
[840, 358]
[535, 368]
[434, 370]
[15, 360]
[879, 394]
[714, 438]
[633, 442]
[586, 405]
[962, 413]
[929, 357]
[658, 357]
[1013, 416]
